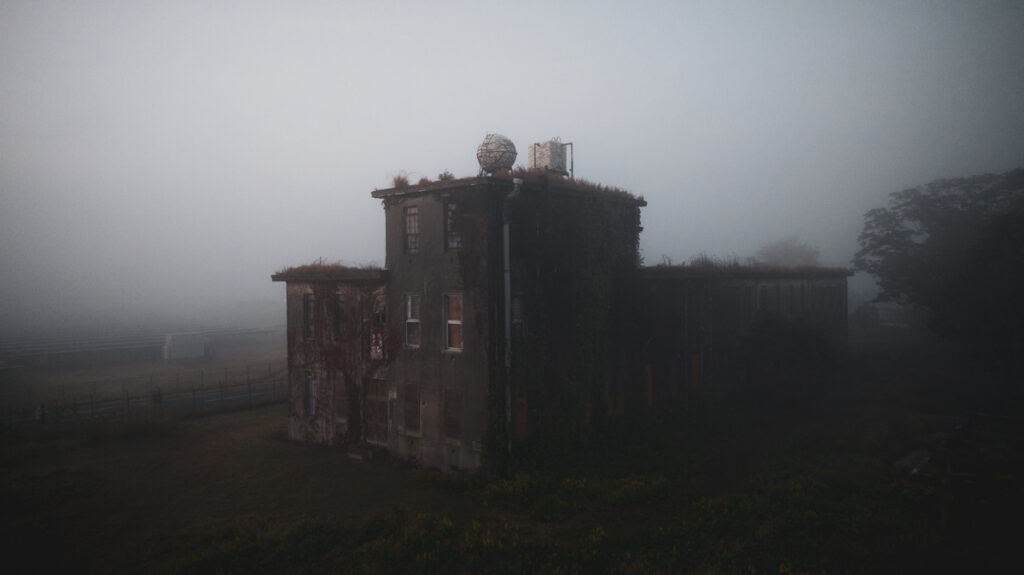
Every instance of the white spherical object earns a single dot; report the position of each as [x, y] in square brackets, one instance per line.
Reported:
[496, 153]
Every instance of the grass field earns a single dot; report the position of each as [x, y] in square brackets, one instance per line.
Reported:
[777, 485]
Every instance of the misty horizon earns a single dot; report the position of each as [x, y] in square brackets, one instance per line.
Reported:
[158, 163]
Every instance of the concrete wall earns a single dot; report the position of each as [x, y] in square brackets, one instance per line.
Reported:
[697, 324]
[336, 412]
[446, 384]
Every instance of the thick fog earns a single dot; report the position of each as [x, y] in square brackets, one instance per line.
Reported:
[159, 160]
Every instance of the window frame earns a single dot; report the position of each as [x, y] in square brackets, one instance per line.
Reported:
[411, 229]
[413, 320]
[449, 322]
[452, 237]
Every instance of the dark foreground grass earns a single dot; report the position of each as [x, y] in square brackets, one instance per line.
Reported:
[773, 486]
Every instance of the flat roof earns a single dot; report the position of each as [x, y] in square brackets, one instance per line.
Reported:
[532, 180]
[741, 272]
[330, 272]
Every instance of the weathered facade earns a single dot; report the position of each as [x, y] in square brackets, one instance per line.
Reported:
[495, 289]
[700, 320]
[336, 354]
[514, 319]
[473, 374]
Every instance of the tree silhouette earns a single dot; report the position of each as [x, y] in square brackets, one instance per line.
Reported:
[954, 248]
[916, 244]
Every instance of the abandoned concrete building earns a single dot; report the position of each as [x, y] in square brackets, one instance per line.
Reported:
[512, 317]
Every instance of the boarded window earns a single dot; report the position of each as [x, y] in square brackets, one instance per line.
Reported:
[308, 325]
[412, 320]
[452, 239]
[453, 413]
[309, 403]
[412, 229]
[453, 321]
[339, 317]
[412, 407]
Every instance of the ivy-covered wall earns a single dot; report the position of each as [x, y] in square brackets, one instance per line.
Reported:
[575, 334]
[343, 345]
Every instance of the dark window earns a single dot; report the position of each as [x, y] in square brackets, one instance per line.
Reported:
[308, 325]
[412, 408]
[338, 330]
[453, 413]
[453, 321]
[310, 392]
[380, 315]
[452, 239]
[412, 229]
[412, 320]
[376, 412]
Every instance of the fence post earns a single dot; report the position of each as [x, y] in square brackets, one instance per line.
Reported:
[223, 382]
[248, 384]
[202, 391]
[193, 398]
[127, 403]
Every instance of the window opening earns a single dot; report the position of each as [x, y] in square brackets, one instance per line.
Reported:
[339, 317]
[412, 407]
[412, 229]
[310, 395]
[453, 241]
[412, 320]
[453, 413]
[453, 321]
[307, 315]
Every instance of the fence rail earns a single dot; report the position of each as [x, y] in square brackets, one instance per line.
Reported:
[172, 395]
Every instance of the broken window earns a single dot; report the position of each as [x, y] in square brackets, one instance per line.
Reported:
[452, 239]
[310, 392]
[453, 321]
[307, 315]
[412, 320]
[412, 229]
[339, 317]
[412, 408]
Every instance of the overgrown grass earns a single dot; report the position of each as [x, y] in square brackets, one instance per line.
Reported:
[780, 487]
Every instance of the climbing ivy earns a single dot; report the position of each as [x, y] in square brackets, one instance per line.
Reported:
[574, 266]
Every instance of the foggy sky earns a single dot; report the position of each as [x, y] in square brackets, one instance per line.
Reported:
[169, 156]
